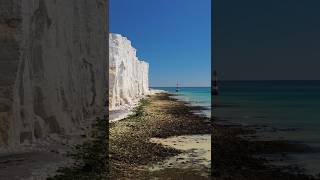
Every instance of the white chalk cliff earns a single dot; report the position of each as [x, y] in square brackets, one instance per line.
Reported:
[128, 76]
[60, 77]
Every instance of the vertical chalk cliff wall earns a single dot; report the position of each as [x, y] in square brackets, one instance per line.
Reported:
[10, 20]
[128, 76]
[59, 79]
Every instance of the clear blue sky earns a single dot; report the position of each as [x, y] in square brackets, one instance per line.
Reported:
[173, 36]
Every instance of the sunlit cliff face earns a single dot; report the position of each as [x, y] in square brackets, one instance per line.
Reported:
[128, 76]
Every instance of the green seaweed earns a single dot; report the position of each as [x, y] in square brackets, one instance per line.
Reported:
[90, 157]
[139, 110]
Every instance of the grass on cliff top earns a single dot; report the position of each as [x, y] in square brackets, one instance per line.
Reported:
[90, 157]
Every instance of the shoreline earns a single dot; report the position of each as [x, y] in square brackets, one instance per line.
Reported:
[162, 117]
[246, 157]
[200, 109]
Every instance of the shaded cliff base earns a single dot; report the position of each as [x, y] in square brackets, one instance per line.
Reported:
[42, 159]
[137, 143]
[30, 165]
[89, 158]
[239, 158]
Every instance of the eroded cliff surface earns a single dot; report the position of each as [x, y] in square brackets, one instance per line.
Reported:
[128, 76]
[60, 78]
[9, 59]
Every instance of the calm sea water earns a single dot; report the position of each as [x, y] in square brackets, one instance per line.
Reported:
[197, 96]
[288, 109]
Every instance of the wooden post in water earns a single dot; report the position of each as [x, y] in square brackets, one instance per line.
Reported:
[177, 88]
[215, 83]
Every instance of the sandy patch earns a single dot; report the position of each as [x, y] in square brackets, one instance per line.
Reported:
[196, 152]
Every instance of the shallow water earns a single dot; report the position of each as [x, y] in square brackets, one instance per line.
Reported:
[287, 110]
[197, 96]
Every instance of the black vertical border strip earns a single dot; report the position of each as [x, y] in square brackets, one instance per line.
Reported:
[213, 45]
[107, 81]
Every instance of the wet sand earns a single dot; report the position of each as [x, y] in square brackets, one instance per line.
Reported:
[166, 130]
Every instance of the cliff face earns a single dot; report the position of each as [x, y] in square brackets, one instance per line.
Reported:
[9, 60]
[60, 79]
[128, 76]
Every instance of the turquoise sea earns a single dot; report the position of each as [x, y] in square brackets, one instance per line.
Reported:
[196, 96]
[288, 110]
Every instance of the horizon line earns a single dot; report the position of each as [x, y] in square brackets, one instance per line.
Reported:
[274, 80]
[179, 86]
